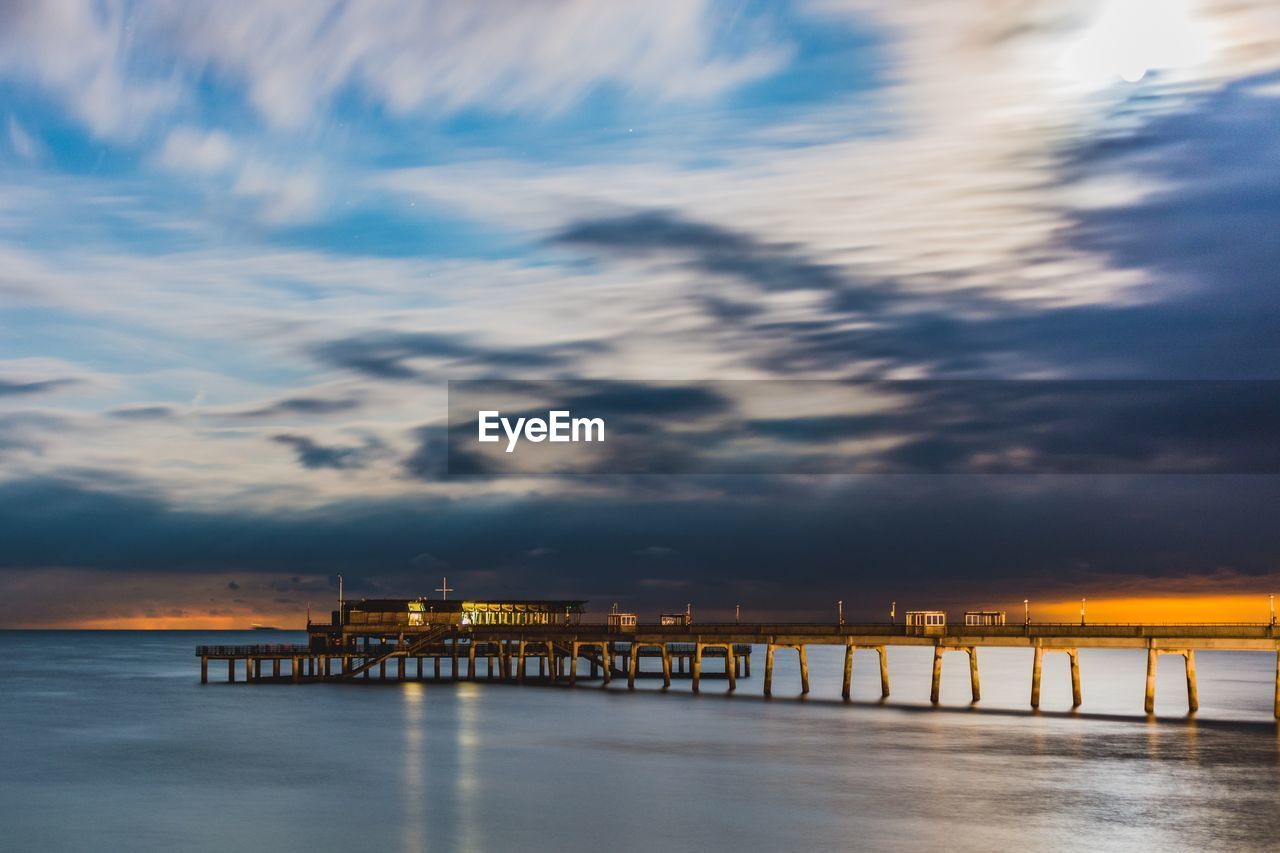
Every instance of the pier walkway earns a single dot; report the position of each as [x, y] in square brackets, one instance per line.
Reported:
[347, 652]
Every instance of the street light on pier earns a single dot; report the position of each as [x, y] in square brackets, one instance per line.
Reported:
[840, 612]
[1272, 600]
[1082, 612]
[1026, 611]
[893, 612]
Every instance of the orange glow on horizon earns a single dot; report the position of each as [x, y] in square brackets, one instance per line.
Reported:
[1173, 608]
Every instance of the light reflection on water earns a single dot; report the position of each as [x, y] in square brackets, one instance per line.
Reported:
[115, 729]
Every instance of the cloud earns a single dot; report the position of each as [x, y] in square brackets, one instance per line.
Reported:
[186, 149]
[314, 455]
[14, 387]
[954, 539]
[706, 248]
[117, 65]
[302, 406]
[23, 143]
[392, 355]
[143, 413]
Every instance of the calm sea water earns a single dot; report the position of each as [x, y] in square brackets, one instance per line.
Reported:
[110, 743]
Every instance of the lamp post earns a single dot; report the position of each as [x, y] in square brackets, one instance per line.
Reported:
[1026, 612]
[1272, 600]
[737, 613]
[342, 619]
[893, 612]
[840, 611]
[1082, 612]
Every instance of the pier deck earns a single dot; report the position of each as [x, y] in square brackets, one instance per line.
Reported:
[347, 652]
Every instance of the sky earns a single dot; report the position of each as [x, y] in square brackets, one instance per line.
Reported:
[245, 245]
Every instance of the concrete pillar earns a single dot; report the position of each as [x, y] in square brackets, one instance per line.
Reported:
[633, 660]
[731, 667]
[435, 667]
[1278, 684]
[937, 675]
[542, 666]
[520, 664]
[1193, 696]
[471, 660]
[204, 670]
[257, 669]
[400, 668]
[573, 670]
[884, 671]
[768, 670]
[973, 673]
[697, 665]
[453, 673]
[848, 670]
[666, 667]
[606, 651]
[382, 670]
[1036, 663]
[746, 665]
[554, 658]
[804, 670]
[231, 677]
[1075, 677]
[1150, 703]
[275, 667]
[297, 668]
[248, 669]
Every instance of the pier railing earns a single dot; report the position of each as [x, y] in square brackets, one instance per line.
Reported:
[249, 651]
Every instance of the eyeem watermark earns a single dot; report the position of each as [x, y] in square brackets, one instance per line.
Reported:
[558, 426]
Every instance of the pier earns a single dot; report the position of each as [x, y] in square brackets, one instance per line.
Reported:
[562, 648]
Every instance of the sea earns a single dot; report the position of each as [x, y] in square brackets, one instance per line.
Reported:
[108, 742]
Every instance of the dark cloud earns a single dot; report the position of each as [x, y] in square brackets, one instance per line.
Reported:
[303, 406]
[312, 454]
[143, 413]
[15, 388]
[709, 249]
[767, 543]
[387, 355]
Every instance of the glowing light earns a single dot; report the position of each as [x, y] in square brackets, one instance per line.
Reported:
[1131, 38]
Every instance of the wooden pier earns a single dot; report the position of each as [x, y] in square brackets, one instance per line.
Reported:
[344, 652]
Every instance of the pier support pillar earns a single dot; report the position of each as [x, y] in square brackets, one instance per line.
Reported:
[471, 660]
[382, 670]
[1278, 684]
[573, 670]
[553, 660]
[231, 677]
[1150, 702]
[435, 669]
[848, 670]
[1189, 659]
[248, 670]
[1075, 677]
[275, 667]
[1193, 695]
[400, 668]
[520, 664]
[453, 673]
[804, 669]
[1036, 665]
[606, 651]
[666, 667]
[731, 667]
[884, 671]
[936, 687]
[204, 670]
[768, 670]
[633, 661]
[697, 665]
[974, 688]
[296, 669]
